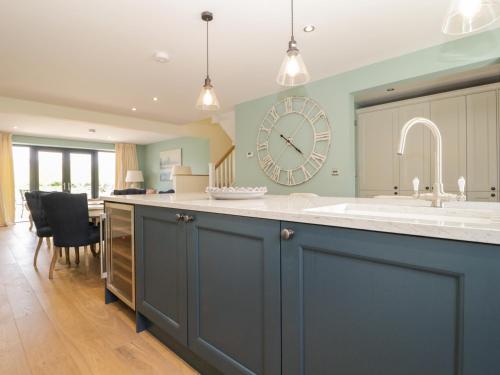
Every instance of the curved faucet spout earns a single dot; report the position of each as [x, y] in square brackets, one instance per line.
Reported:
[438, 157]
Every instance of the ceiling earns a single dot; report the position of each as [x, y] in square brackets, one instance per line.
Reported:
[76, 130]
[98, 55]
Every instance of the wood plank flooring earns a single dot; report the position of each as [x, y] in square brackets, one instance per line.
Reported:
[62, 326]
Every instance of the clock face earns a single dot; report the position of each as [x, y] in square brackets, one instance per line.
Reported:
[293, 141]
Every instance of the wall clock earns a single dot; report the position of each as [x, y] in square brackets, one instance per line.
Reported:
[293, 141]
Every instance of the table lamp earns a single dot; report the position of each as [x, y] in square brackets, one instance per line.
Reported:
[134, 179]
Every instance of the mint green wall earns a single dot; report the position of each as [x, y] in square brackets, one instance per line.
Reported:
[335, 95]
[195, 153]
[56, 142]
[141, 157]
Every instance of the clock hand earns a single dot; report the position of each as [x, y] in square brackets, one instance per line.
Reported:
[287, 140]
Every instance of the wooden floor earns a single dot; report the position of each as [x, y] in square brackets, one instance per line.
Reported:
[62, 326]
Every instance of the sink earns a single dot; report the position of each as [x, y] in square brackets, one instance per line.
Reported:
[407, 213]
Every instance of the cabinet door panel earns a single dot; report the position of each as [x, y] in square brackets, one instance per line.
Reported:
[162, 270]
[378, 164]
[234, 293]
[450, 117]
[482, 162]
[416, 160]
[362, 303]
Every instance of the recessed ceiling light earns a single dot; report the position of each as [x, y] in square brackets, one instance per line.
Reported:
[155, 99]
[309, 28]
[15, 126]
[161, 57]
[390, 89]
[134, 109]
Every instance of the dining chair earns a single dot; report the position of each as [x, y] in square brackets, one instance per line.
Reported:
[24, 206]
[131, 191]
[68, 216]
[170, 191]
[43, 230]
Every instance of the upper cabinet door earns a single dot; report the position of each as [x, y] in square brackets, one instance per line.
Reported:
[378, 165]
[416, 160]
[234, 293]
[451, 118]
[482, 162]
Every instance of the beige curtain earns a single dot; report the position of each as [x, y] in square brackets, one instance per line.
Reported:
[7, 194]
[126, 159]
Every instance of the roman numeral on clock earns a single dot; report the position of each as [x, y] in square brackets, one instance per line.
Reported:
[322, 136]
[274, 114]
[289, 177]
[319, 115]
[307, 175]
[267, 163]
[263, 146]
[288, 104]
[317, 160]
[275, 175]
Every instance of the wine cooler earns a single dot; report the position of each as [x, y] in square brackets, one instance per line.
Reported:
[117, 262]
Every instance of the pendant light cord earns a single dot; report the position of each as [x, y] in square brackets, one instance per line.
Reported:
[292, 17]
[207, 49]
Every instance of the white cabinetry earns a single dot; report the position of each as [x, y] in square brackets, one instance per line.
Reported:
[482, 150]
[378, 169]
[468, 121]
[450, 115]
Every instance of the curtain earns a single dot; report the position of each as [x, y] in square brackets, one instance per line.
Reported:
[126, 159]
[7, 194]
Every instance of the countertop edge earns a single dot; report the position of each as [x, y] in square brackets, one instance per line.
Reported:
[475, 235]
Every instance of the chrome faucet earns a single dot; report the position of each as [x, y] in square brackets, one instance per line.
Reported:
[438, 196]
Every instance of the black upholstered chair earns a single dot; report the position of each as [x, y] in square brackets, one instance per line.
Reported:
[170, 191]
[129, 191]
[68, 216]
[43, 230]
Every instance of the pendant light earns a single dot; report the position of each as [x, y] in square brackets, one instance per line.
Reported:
[293, 71]
[467, 16]
[207, 101]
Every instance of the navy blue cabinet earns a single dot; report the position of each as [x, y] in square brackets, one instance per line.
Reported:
[234, 293]
[161, 269]
[367, 303]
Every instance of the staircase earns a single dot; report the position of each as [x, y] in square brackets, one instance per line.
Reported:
[222, 173]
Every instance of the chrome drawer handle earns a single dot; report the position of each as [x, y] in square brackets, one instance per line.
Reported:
[188, 219]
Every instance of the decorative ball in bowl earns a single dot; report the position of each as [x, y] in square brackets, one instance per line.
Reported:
[236, 192]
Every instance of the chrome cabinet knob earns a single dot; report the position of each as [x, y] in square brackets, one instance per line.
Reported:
[287, 234]
[188, 218]
[179, 217]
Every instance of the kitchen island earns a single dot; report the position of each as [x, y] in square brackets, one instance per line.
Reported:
[295, 285]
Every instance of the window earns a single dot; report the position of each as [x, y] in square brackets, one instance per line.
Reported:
[59, 169]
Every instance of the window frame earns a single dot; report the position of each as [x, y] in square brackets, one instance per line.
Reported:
[66, 165]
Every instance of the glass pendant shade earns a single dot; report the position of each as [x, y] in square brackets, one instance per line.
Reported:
[293, 71]
[207, 101]
[467, 16]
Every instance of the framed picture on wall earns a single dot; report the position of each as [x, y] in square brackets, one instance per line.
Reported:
[168, 159]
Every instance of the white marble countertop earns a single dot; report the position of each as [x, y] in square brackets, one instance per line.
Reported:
[463, 221]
